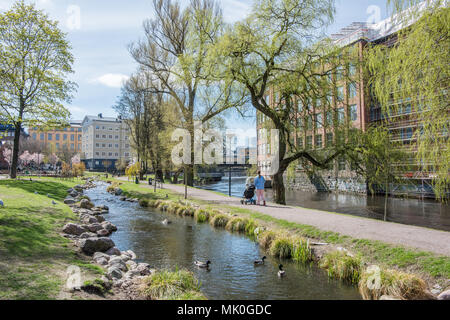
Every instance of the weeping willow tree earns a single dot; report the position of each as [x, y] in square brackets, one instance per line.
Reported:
[415, 69]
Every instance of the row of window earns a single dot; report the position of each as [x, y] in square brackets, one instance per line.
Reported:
[104, 136]
[110, 145]
[111, 154]
[109, 128]
[72, 146]
[65, 129]
[57, 137]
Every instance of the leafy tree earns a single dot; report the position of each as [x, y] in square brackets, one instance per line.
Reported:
[378, 159]
[175, 52]
[415, 70]
[35, 59]
[289, 71]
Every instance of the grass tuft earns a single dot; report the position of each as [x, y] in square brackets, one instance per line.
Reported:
[166, 285]
[301, 251]
[374, 284]
[201, 215]
[340, 265]
[219, 220]
[281, 247]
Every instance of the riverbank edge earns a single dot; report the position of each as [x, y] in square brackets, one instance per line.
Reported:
[136, 286]
[340, 262]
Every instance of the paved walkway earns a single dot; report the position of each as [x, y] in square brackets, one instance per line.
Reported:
[357, 227]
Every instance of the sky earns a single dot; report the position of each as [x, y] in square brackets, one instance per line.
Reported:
[100, 31]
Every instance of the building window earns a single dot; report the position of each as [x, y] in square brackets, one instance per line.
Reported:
[110, 136]
[97, 136]
[299, 123]
[299, 106]
[339, 73]
[116, 137]
[352, 90]
[352, 69]
[117, 145]
[309, 142]
[341, 115]
[319, 141]
[97, 127]
[72, 146]
[318, 120]
[64, 137]
[104, 136]
[97, 145]
[57, 146]
[50, 136]
[329, 138]
[103, 145]
[340, 93]
[72, 137]
[127, 154]
[79, 137]
[329, 118]
[110, 145]
[57, 137]
[300, 142]
[353, 112]
[34, 136]
[309, 122]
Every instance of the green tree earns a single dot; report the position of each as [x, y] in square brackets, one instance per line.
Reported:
[378, 159]
[35, 59]
[288, 69]
[176, 54]
[416, 70]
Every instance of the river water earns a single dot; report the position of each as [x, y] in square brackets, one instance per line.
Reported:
[232, 274]
[427, 213]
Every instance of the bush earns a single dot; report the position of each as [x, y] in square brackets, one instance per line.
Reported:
[78, 169]
[236, 224]
[374, 284]
[251, 227]
[201, 215]
[266, 238]
[143, 203]
[281, 247]
[219, 220]
[340, 265]
[166, 285]
[301, 251]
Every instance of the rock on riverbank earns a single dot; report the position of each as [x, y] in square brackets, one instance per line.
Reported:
[90, 235]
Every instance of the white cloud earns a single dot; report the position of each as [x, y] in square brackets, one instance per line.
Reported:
[113, 80]
[235, 10]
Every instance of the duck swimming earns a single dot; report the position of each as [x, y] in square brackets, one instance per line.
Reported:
[259, 262]
[281, 272]
[202, 264]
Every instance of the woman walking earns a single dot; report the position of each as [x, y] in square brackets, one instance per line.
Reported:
[259, 184]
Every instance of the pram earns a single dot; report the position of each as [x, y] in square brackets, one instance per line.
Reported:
[249, 193]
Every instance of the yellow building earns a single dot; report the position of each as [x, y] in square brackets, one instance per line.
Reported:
[58, 139]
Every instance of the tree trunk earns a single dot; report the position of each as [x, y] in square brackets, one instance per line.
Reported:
[278, 188]
[189, 174]
[15, 155]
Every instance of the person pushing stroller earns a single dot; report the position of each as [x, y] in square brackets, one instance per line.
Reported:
[259, 184]
[249, 192]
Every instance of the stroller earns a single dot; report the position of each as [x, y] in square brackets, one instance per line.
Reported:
[249, 193]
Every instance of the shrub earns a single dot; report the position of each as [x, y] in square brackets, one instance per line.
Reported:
[201, 215]
[236, 224]
[301, 251]
[143, 203]
[251, 227]
[219, 220]
[189, 211]
[166, 285]
[281, 247]
[340, 265]
[266, 238]
[376, 282]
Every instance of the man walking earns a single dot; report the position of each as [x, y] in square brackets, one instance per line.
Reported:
[259, 184]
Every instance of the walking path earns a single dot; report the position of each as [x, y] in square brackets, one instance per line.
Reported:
[357, 227]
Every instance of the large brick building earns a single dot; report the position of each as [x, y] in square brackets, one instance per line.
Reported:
[351, 102]
[56, 140]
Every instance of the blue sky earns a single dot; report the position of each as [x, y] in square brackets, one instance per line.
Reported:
[100, 30]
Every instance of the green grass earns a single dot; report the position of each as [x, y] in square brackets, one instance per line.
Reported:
[34, 256]
[340, 265]
[176, 285]
[394, 283]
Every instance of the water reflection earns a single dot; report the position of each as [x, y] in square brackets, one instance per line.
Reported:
[427, 213]
[232, 274]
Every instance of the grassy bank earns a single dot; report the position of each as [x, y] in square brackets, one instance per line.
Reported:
[34, 257]
[290, 240]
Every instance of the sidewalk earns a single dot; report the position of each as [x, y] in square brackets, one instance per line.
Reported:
[357, 227]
